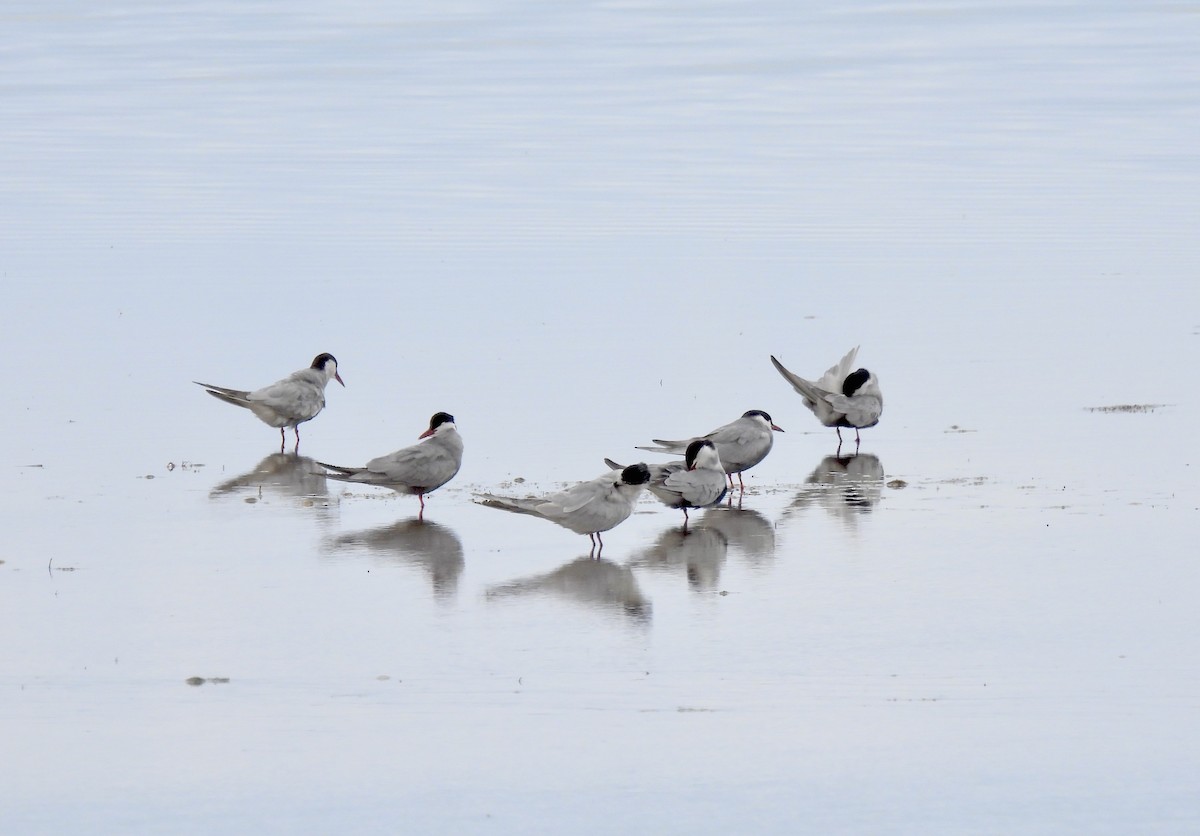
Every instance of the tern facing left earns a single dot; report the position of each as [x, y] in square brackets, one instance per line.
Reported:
[290, 402]
[696, 482]
[588, 508]
[419, 469]
[840, 398]
[741, 444]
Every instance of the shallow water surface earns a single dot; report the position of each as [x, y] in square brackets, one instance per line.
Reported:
[577, 229]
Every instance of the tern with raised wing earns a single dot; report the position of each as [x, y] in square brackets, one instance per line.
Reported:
[290, 402]
[419, 469]
[696, 482]
[740, 444]
[840, 397]
[587, 508]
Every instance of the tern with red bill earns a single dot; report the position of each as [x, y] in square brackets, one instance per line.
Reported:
[419, 469]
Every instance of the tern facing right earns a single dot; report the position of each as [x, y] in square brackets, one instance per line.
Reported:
[741, 444]
[587, 508]
[840, 398]
[419, 469]
[696, 482]
[290, 402]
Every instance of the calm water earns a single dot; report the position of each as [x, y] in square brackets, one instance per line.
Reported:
[577, 227]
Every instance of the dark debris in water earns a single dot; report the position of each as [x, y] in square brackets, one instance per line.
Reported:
[1128, 407]
[196, 681]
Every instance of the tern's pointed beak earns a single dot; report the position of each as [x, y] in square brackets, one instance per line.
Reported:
[427, 433]
[338, 378]
[777, 429]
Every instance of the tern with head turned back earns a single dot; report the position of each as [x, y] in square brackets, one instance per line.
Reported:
[290, 402]
[740, 444]
[419, 469]
[588, 508]
[840, 397]
[696, 482]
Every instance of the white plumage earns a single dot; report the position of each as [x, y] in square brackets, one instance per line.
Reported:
[290, 402]
[840, 397]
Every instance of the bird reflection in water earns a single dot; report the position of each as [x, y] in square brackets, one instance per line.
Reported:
[284, 474]
[745, 529]
[699, 552]
[431, 546]
[847, 487]
[588, 580]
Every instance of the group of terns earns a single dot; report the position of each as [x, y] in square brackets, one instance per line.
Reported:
[842, 397]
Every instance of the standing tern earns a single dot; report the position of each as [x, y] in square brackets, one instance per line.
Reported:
[420, 469]
[696, 482]
[840, 398]
[290, 402]
[588, 508]
[741, 444]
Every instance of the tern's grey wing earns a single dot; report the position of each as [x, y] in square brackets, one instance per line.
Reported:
[741, 431]
[664, 484]
[338, 471]
[806, 388]
[578, 496]
[860, 410]
[832, 380]
[391, 469]
[427, 465]
[662, 472]
[295, 398]
[399, 463]
[666, 446]
[231, 395]
[511, 503]
[698, 487]
[815, 397]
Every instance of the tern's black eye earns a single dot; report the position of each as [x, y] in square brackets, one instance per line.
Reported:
[855, 381]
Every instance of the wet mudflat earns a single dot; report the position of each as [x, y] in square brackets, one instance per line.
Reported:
[290, 655]
[577, 231]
